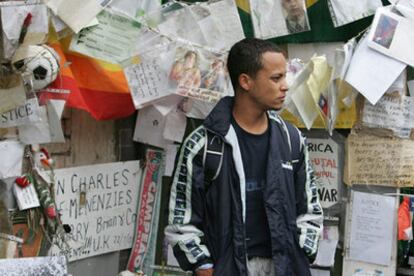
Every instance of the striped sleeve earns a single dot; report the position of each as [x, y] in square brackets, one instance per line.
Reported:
[310, 216]
[185, 221]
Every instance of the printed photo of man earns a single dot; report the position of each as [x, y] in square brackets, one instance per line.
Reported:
[295, 14]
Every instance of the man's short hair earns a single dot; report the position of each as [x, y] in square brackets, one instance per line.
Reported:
[245, 57]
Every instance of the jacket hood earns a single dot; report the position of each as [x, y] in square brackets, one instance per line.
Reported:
[219, 119]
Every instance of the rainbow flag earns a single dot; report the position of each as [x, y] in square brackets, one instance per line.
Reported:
[95, 86]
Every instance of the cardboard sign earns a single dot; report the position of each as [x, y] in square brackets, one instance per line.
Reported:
[379, 161]
[324, 156]
[99, 203]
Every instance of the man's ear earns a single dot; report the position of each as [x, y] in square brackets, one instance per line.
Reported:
[245, 82]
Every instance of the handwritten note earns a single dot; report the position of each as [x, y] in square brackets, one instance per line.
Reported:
[373, 218]
[26, 197]
[225, 14]
[99, 203]
[146, 81]
[390, 111]
[379, 161]
[12, 151]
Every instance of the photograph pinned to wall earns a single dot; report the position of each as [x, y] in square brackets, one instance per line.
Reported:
[385, 30]
[344, 12]
[392, 35]
[199, 74]
[278, 18]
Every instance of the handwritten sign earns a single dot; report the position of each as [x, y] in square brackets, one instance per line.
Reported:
[99, 203]
[379, 161]
[373, 218]
[389, 112]
[146, 82]
[324, 157]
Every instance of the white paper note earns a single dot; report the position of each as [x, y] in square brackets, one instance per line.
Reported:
[226, 14]
[200, 109]
[167, 104]
[13, 16]
[175, 126]
[392, 35]
[170, 154]
[135, 8]
[149, 127]
[326, 253]
[111, 40]
[372, 73]
[147, 82]
[179, 22]
[26, 197]
[305, 51]
[11, 153]
[77, 14]
[47, 130]
[272, 19]
[372, 222]
[344, 12]
[21, 115]
[390, 112]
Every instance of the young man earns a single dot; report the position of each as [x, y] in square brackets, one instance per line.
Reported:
[295, 16]
[260, 214]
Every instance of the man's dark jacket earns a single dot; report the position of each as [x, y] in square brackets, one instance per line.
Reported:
[206, 221]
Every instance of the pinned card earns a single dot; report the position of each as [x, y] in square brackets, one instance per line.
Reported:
[23, 22]
[11, 153]
[12, 92]
[77, 14]
[392, 35]
[371, 73]
[26, 197]
[48, 129]
[149, 128]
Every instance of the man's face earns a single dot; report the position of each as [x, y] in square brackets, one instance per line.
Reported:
[269, 87]
[293, 8]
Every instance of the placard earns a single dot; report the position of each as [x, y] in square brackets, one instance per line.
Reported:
[99, 203]
[324, 156]
[373, 160]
